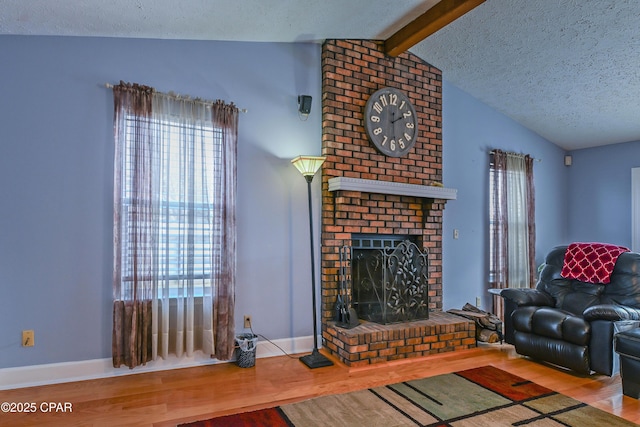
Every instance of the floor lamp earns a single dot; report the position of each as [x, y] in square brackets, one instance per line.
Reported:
[308, 166]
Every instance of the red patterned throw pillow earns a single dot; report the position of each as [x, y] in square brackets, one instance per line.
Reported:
[591, 262]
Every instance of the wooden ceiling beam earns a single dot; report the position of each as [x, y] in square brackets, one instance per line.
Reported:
[439, 16]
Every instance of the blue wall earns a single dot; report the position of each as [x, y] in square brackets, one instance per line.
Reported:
[56, 166]
[600, 196]
[56, 187]
[470, 130]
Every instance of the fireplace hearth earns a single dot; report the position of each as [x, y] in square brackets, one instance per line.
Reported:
[390, 279]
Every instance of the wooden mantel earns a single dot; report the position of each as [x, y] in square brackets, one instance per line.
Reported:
[387, 187]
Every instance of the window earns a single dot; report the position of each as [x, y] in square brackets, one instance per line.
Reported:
[517, 223]
[184, 221]
[511, 220]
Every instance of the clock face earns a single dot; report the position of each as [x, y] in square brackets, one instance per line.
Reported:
[391, 122]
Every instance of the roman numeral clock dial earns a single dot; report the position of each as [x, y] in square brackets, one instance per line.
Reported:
[390, 122]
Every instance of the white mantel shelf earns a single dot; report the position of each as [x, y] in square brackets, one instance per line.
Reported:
[386, 187]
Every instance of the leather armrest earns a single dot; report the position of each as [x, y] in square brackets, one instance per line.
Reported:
[612, 312]
[523, 297]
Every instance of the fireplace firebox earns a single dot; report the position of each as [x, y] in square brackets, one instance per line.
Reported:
[390, 279]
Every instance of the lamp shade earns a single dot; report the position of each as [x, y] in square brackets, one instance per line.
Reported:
[308, 165]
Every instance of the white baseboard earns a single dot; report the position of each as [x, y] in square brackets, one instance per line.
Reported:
[55, 373]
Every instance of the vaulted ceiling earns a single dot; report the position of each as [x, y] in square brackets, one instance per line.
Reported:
[568, 70]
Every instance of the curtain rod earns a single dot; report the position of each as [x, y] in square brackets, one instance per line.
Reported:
[186, 97]
[508, 153]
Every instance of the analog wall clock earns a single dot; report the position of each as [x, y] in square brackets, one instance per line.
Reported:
[390, 122]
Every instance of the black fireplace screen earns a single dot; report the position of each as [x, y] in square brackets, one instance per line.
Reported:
[390, 279]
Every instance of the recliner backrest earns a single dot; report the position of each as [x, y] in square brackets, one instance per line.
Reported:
[575, 296]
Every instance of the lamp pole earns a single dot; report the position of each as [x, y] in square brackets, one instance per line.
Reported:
[308, 166]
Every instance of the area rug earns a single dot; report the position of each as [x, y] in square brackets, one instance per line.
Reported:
[485, 396]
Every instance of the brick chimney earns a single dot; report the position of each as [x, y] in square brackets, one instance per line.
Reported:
[351, 71]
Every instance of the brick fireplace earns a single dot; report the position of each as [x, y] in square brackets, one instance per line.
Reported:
[366, 192]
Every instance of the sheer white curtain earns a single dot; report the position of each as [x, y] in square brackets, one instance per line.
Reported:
[185, 157]
[518, 222]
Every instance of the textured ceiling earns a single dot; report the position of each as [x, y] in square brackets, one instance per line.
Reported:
[569, 70]
[566, 69]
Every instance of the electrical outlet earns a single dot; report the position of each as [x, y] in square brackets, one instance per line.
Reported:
[478, 302]
[247, 321]
[27, 338]
[456, 233]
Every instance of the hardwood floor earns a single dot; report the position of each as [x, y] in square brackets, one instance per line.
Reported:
[168, 398]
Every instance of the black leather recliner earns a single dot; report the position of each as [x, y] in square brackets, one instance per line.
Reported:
[572, 323]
